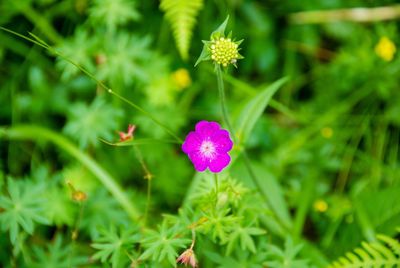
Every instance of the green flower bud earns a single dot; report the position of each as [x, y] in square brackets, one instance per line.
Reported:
[221, 50]
[224, 51]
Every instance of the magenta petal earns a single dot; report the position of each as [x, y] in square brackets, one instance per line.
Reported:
[222, 140]
[219, 163]
[206, 128]
[199, 162]
[192, 142]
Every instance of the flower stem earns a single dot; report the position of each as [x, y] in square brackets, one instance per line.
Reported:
[221, 90]
[148, 176]
[247, 162]
[216, 188]
[148, 202]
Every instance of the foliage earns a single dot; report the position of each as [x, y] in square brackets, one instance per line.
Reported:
[23, 207]
[87, 124]
[112, 244]
[56, 254]
[386, 253]
[182, 17]
[312, 108]
[286, 257]
[162, 244]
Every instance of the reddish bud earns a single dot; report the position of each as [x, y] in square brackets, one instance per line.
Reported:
[128, 135]
[188, 257]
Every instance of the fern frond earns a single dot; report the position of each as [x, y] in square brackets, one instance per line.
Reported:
[383, 254]
[392, 243]
[181, 14]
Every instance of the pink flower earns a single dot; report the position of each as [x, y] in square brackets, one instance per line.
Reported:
[129, 135]
[208, 146]
[188, 257]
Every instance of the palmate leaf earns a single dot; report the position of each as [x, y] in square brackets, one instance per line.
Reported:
[383, 254]
[56, 254]
[86, 123]
[113, 13]
[219, 224]
[112, 244]
[101, 211]
[181, 14]
[244, 236]
[162, 244]
[287, 257]
[23, 207]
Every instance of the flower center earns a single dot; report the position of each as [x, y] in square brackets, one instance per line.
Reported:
[207, 149]
[224, 51]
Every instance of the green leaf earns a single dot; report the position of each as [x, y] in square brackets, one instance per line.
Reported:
[162, 244]
[31, 132]
[244, 236]
[56, 254]
[86, 123]
[112, 245]
[286, 257]
[205, 53]
[254, 109]
[22, 208]
[181, 14]
[384, 254]
[113, 13]
[220, 31]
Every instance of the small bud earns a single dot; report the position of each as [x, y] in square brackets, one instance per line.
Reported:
[79, 196]
[76, 194]
[128, 135]
[187, 257]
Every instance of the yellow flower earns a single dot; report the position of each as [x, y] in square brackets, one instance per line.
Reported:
[181, 78]
[385, 49]
[320, 205]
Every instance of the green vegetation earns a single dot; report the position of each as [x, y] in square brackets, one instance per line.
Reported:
[97, 98]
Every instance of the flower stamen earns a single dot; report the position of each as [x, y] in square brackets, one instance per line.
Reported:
[207, 149]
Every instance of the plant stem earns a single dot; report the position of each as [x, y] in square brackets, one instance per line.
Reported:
[247, 162]
[148, 176]
[221, 91]
[216, 188]
[31, 132]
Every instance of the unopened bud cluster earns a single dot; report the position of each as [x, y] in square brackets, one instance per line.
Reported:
[224, 51]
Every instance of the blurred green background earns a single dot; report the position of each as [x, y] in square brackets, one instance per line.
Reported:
[329, 139]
